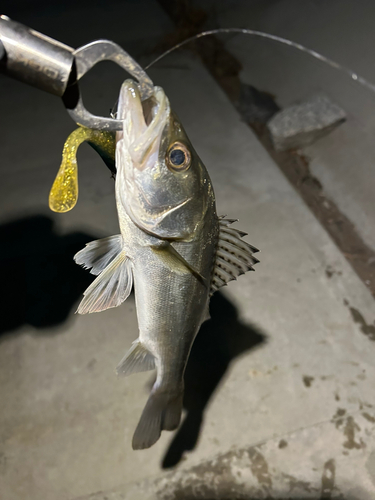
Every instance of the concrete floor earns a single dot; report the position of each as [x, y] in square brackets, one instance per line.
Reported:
[343, 31]
[279, 388]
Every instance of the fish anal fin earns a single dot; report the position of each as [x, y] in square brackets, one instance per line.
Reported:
[234, 256]
[137, 359]
[110, 288]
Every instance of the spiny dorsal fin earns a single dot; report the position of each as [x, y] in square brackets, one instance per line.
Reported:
[233, 256]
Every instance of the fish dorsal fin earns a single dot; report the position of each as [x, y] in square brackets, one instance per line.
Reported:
[99, 253]
[233, 256]
[110, 288]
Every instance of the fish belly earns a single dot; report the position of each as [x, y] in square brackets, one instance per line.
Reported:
[170, 310]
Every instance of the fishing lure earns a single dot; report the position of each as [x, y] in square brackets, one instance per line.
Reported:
[64, 192]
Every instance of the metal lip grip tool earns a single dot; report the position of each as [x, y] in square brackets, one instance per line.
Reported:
[56, 68]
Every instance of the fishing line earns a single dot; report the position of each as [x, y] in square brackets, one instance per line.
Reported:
[333, 64]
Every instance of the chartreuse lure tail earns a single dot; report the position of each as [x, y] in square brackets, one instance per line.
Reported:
[64, 192]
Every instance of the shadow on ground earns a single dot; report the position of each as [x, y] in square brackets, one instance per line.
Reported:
[41, 282]
[218, 342]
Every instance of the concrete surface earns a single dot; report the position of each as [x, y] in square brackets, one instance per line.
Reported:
[268, 470]
[343, 31]
[302, 124]
[287, 357]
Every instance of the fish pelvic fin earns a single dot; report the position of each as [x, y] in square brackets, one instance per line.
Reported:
[137, 359]
[110, 289]
[162, 412]
[99, 253]
[234, 256]
[174, 261]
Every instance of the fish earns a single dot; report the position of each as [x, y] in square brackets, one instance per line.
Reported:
[173, 249]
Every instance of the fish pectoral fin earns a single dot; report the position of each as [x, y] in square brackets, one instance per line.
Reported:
[137, 359]
[98, 254]
[175, 262]
[110, 288]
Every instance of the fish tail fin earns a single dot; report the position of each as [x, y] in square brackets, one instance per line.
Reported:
[172, 414]
[160, 413]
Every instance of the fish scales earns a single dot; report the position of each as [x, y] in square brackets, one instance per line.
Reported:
[173, 247]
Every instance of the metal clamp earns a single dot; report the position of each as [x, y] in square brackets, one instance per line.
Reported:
[34, 58]
[85, 58]
[54, 67]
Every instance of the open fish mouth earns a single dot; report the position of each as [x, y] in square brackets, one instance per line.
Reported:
[144, 122]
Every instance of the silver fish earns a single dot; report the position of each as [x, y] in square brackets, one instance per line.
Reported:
[172, 245]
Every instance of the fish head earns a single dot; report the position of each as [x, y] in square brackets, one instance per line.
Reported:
[162, 184]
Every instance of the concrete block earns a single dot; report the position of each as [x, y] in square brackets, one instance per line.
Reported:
[302, 124]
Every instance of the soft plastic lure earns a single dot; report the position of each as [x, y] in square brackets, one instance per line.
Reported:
[64, 192]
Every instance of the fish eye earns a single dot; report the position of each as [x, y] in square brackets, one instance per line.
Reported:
[178, 157]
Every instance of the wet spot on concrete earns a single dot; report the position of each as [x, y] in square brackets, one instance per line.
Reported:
[370, 466]
[367, 329]
[283, 444]
[328, 479]
[219, 478]
[349, 428]
[369, 417]
[337, 396]
[91, 364]
[330, 271]
[259, 468]
[340, 412]
[296, 484]
[338, 417]
[349, 432]
[307, 380]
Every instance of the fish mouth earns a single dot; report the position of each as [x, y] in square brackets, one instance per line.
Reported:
[145, 187]
[144, 122]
